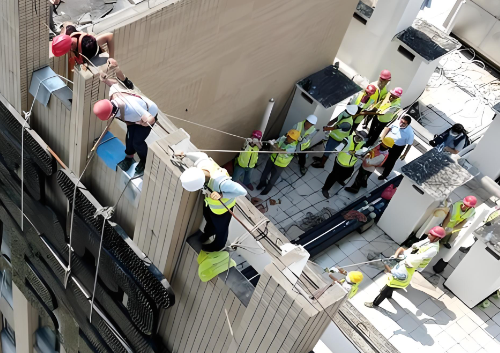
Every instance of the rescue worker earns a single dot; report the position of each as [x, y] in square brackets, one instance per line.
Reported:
[365, 101]
[452, 140]
[307, 131]
[402, 134]
[345, 161]
[278, 161]
[221, 195]
[82, 45]
[416, 259]
[382, 84]
[459, 213]
[139, 113]
[351, 282]
[388, 108]
[339, 128]
[373, 159]
[247, 159]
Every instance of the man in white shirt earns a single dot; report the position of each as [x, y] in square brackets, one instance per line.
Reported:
[139, 113]
[402, 134]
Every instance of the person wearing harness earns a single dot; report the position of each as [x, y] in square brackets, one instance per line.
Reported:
[388, 108]
[339, 128]
[247, 159]
[452, 141]
[307, 131]
[382, 84]
[82, 45]
[460, 212]
[345, 161]
[365, 101]
[373, 159]
[278, 161]
[221, 194]
[416, 259]
[139, 113]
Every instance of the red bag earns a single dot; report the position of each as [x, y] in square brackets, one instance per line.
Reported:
[389, 192]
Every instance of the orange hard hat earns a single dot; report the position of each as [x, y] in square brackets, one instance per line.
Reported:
[103, 109]
[61, 45]
[470, 201]
[398, 92]
[385, 75]
[438, 232]
[371, 89]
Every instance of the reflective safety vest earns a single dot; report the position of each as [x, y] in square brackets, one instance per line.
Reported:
[220, 176]
[283, 159]
[344, 158]
[248, 159]
[372, 100]
[396, 283]
[383, 93]
[338, 134]
[375, 152]
[457, 215]
[390, 115]
[352, 288]
[303, 134]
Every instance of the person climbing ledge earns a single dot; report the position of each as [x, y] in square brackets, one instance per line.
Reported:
[140, 114]
[221, 194]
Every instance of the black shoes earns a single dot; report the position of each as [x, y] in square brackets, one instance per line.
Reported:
[128, 83]
[261, 186]
[325, 193]
[447, 245]
[139, 169]
[126, 163]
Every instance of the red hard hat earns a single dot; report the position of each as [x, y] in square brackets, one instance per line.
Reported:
[398, 92]
[470, 201]
[257, 134]
[438, 232]
[103, 109]
[385, 75]
[61, 45]
[371, 89]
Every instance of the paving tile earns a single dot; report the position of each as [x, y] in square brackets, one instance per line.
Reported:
[457, 349]
[445, 341]
[443, 320]
[407, 323]
[432, 328]
[336, 254]
[421, 335]
[303, 204]
[316, 185]
[479, 313]
[371, 271]
[305, 189]
[481, 337]
[285, 203]
[470, 345]
[280, 217]
[495, 300]
[370, 234]
[357, 257]
[403, 341]
[324, 261]
[467, 324]
[492, 347]
[292, 211]
[456, 332]
[315, 198]
[347, 248]
[298, 216]
[491, 328]
[322, 176]
[429, 308]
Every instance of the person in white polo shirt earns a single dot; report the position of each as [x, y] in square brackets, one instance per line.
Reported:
[402, 134]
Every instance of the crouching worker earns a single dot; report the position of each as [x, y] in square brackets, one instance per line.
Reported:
[416, 259]
[351, 281]
[247, 159]
[373, 159]
[220, 197]
[139, 113]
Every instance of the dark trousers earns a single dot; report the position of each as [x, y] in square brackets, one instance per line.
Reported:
[275, 172]
[376, 129]
[385, 293]
[394, 153]
[217, 225]
[302, 159]
[338, 174]
[361, 180]
[136, 140]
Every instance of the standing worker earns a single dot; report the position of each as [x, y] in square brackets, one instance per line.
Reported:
[373, 159]
[365, 101]
[388, 108]
[345, 161]
[247, 159]
[402, 134]
[221, 195]
[307, 131]
[460, 212]
[416, 258]
[382, 85]
[278, 161]
[139, 113]
[339, 128]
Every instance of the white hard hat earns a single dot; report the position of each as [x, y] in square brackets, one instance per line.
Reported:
[313, 119]
[352, 109]
[193, 179]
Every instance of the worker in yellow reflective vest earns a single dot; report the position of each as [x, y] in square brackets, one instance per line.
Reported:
[351, 282]
[247, 159]
[307, 130]
[416, 258]
[218, 188]
[345, 161]
[339, 128]
[388, 108]
[459, 213]
[382, 84]
[278, 161]
[365, 101]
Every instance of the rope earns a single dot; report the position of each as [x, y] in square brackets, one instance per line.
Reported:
[98, 212]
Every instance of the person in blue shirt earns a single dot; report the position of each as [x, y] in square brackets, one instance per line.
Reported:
[402, 134]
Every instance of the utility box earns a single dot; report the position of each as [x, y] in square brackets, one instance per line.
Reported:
[319, 94]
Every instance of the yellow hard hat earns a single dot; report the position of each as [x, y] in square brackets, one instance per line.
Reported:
[294, 134]
[355, 276]
[388, 141]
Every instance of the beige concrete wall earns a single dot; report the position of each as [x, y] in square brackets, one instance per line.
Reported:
[218, 62]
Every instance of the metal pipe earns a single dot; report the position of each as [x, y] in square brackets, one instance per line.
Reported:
[267, 114]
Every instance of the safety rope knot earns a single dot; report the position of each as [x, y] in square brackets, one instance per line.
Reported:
[106, 212]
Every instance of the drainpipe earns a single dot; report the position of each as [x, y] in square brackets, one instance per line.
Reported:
[267, 114]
